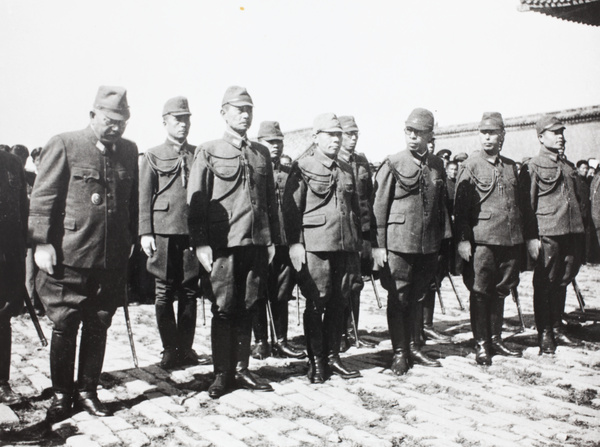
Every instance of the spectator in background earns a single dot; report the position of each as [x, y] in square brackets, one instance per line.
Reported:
[4, 147]
[592, 167]
[582, 168]
[35, 156]
[286, 160]
[445, 154]
[460, 158]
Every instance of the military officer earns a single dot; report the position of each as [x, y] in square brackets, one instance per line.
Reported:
[281, 280]
[554, 229]
[410, 221]
[13, 234]
[83, 222]
[234, 227]
[164, 173]
[364, 188]
[321, 212]
[489, 236]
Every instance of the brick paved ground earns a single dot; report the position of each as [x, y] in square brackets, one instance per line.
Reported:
[531, 401]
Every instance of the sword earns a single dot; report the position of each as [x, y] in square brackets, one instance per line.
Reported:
[439, 294]
[298, 305]
[376, 291]
[34, 318]
[515, 296]
[270, 312]
[460, 304]
[129, 331]
[203, 312]
[579, 296]
[356, 340]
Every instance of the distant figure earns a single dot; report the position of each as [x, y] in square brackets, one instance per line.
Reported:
[445, 154]
[286, 160]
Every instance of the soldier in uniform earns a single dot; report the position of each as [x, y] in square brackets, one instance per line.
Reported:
[234, 226]
[489, 236]
[281, 279]
[554, 229]
[410, 222]
[83, 222]
[321, 213]
[364, 188]
[13, 234]
[163, 229]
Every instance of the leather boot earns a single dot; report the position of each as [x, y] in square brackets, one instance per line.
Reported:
[496, 320]
[7, 395]
[546, 341]
[62, 368]
[337, 367]
[282, 349]
[243, 377]
[313, 332]
[261, 350]
[429, 332]
[317, 371]
[91, 358]
[167, 326]
[400, 336]
[416, 340]
[170, 358]
[222, 346]
[5, 349]
[481, 329]
[187, 309]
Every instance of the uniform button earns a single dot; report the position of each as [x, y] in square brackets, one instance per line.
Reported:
[96, 199]
[110, 211]
[109, 195]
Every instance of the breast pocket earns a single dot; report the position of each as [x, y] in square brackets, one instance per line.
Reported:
[87, 184]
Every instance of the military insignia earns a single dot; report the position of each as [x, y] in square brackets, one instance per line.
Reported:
[96, 199]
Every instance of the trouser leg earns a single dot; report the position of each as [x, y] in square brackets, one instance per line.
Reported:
[91, 357]
[62, 360]
[222, 345]
[165, 316]
[187, 309]
[480, 325]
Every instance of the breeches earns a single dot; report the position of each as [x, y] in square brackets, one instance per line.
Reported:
[493, 270]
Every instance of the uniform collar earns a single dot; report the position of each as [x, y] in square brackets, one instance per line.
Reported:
[176, 144]
[235, 139]
[491, 159]
[419, 159]
[104, 148]
[324, 159]
[345, 156]
[545, 152]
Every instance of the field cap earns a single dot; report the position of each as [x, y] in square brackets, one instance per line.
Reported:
[176, 106]
[326, 122]
[548, 122]
[269, 130]
[491, 121]
[348, 123]
[112, 101]
[444, 152]
[461, 156]
[237, 96]
[420, 119]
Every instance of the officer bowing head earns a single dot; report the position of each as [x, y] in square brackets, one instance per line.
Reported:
[327, 134]
[236, 110]
[108, 119]
[419, 130]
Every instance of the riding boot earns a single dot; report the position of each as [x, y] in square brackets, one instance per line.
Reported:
[313, 331]
[62, 368]
[416, 337]
[546, 341]
[187, 310]
[243, 377]
[5, 349]
[167, 326]
[222, 346]
[399, 334]
[261, 349]
[281, 347]
[496, 320]
[429, 332]
[481, 329]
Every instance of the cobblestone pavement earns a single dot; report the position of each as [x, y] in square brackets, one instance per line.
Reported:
[529, 401]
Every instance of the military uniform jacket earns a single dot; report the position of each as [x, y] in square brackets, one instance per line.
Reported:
[13, 210]
[409, 207]
[595, 200]
[280, 177]
[164, 173]
[486, 208]
[320, 205]
[364, 187]
[85, 200]
[550, 200]
[231, 194]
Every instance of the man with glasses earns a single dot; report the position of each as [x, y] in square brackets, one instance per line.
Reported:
[554, 229]
[321, 212]
[411, 220]
[364, 188]
[83, 222]
[163, 228]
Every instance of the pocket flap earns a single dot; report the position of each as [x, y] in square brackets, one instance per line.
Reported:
[70, 224]
[484, 216]
[85, 173]
[161, 205]
[398, 218]
[314, 221]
